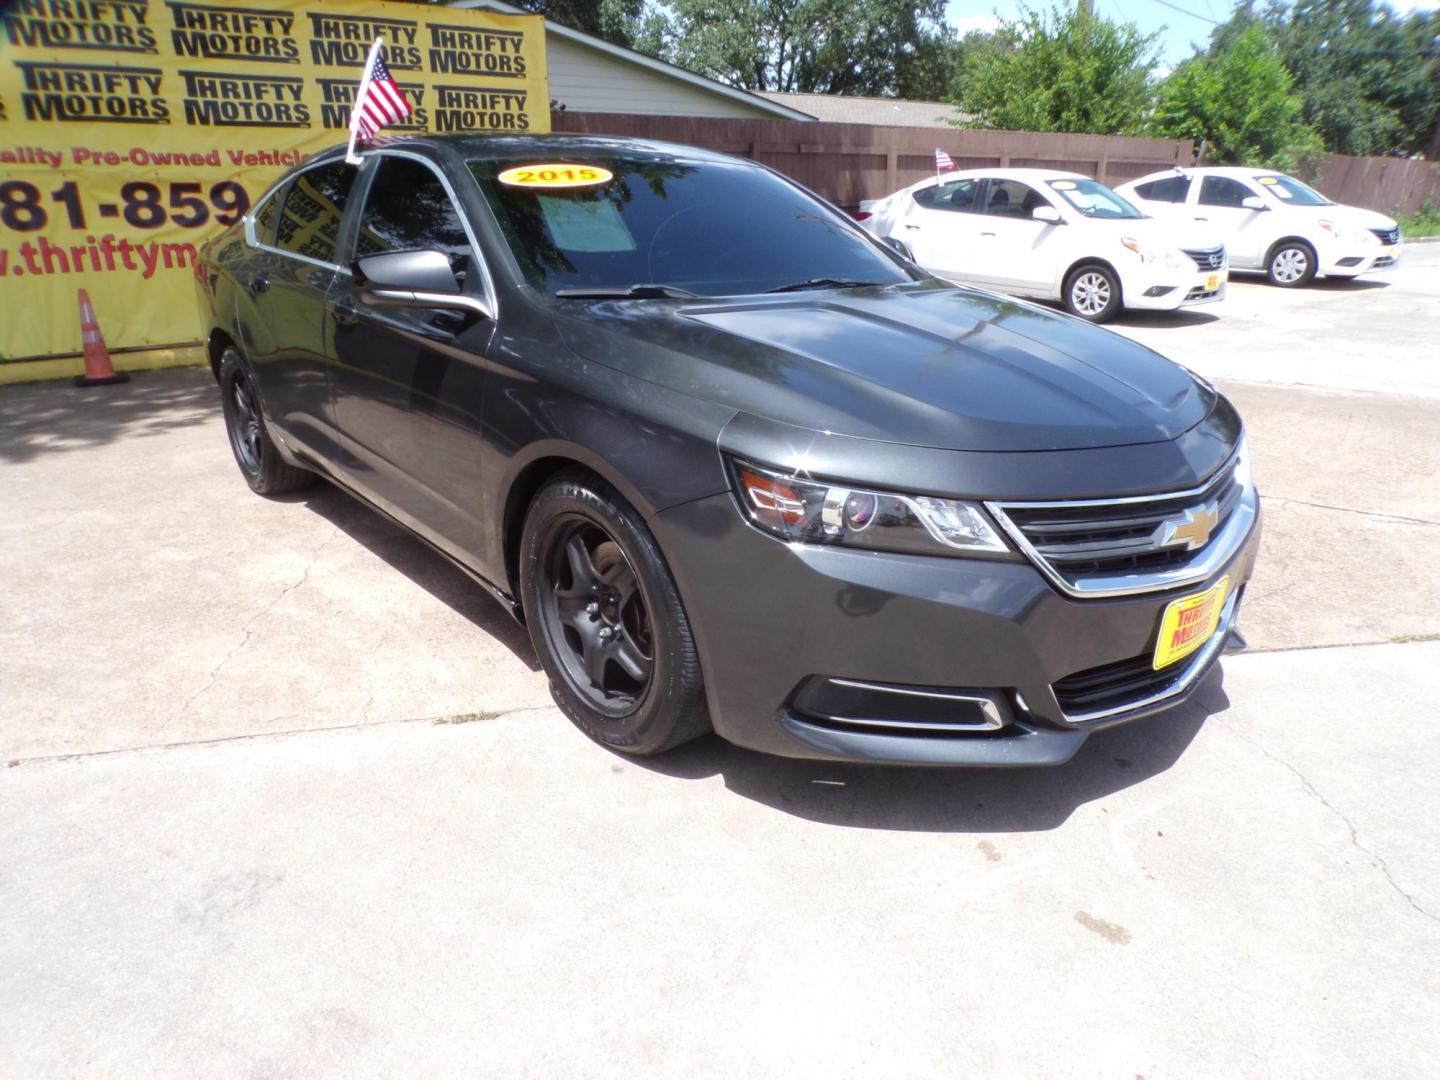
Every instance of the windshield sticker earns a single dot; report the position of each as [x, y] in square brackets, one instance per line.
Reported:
[1063, 185]
[552, 175]
[1267, 180]
[592, 225]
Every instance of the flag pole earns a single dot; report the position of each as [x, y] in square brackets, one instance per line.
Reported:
[352, 158]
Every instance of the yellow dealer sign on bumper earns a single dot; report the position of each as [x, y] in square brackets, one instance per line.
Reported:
[1188, 623]
[132, 132]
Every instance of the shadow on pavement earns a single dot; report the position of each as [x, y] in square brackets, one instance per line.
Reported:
[1165, 320]
[427, 568]
[1159, 319]
[1329, 284]
[43, 417]
[952, 800]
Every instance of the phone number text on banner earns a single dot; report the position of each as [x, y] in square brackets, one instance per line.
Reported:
[132, 130]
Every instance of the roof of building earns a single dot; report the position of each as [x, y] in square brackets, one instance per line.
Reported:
[843, 109]
[779, 109]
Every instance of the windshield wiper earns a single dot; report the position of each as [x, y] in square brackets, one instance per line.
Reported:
[642, 291]
[824, 283]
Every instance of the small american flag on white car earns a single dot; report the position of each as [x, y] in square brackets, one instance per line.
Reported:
[943, 161]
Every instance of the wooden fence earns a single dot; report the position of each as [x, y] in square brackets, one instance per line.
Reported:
[850, 162]
[1384, 184]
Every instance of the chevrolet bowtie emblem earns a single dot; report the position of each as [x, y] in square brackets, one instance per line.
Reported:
[1192, 529]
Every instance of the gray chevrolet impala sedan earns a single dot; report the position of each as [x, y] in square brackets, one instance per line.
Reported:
[736, 464]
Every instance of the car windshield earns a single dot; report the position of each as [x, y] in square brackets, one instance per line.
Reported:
[1094, 199]
[582, 223]
[1291, 191]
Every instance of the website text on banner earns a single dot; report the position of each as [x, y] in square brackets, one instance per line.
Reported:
[130, 130]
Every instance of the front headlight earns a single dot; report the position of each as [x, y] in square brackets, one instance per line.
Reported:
[1340, 232]
[1170, 258]
[814, 512]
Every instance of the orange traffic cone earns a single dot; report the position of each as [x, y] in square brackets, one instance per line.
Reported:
[98, 369]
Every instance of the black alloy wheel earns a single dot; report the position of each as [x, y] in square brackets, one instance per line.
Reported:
[260, 462]
[598, 618]
[606, 619]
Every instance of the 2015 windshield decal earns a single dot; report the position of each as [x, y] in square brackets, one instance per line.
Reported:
[555, 175]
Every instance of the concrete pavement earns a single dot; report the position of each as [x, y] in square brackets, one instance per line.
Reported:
[285, 796]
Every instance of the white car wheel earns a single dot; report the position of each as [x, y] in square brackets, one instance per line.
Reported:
[1092, 293]
[1291, 264]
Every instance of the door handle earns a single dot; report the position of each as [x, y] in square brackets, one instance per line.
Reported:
[987, 234]
[259, 283]
[912, 226]
[345, 314]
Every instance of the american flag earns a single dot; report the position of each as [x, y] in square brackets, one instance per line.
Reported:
[379, 102]
[943, 161]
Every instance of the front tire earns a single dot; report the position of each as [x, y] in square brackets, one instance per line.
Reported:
[1291, 264]
[255, 452]
[1092, 293]
[607, 621]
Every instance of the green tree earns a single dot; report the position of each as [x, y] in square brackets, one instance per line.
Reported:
[622, 22]
[1367, 78]
[874, 47]
[1059, 70]
[1241, 101]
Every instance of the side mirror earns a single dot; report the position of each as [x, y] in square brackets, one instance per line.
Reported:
[1253, 202]
[897, 246]
[413, 279]
[1047, 214]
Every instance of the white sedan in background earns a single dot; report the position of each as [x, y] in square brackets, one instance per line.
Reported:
[1272, 223]
[1056, 235]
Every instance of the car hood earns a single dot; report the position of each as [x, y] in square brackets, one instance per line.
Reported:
[1359, 218]
[924, 365]
[1154, 232]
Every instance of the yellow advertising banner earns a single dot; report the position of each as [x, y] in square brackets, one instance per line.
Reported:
[131, 130]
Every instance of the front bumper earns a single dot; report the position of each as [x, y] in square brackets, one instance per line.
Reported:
[1160, 289]
[770, 618]
[1352, 260]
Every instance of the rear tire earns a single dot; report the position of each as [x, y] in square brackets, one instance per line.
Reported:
[1092, 293]
[607, 621]
[1290, 264]
[255, 452]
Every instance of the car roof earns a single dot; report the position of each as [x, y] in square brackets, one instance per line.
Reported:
[1207, 170]
[1032, 175]
[529, 146]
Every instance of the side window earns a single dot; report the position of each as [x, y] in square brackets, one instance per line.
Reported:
[1222, 191]
[1010, 198]
[409, 209]
[956, 195]
[310, 224]
[1171, 189]
[267, 216]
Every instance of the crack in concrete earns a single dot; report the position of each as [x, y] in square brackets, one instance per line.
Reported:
[1398, 639]
[249, 632]
[445, 719]
[1376, 860]
[1379, 514]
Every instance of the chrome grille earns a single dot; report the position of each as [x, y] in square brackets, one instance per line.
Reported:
[1111, 547]
[1207, 258]
[1388, 237]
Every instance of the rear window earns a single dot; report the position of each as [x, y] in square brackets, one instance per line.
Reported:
[1171, 189]
[712, 228]
[310, 224]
